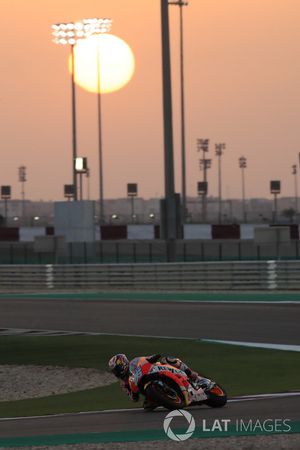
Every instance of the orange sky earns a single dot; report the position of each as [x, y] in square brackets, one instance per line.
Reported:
[242, 73]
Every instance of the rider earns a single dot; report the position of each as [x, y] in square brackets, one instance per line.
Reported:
[122, 368]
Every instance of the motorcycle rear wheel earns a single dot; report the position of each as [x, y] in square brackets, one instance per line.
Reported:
[165, 395]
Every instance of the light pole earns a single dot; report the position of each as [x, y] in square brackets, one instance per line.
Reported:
[68, 34]
[170, 199]
[88, 174]
[132, 191]
[96, 28]
[275, 188]
[69, 191]
[219, 152]
[81, 167]
[204, 164]
[295, 173]
[182, 3]
[22, 180]
[243, 165]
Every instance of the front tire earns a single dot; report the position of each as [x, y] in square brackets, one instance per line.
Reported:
[217, 397]
[165, 395]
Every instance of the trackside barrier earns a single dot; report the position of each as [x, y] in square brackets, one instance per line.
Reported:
[239, 275]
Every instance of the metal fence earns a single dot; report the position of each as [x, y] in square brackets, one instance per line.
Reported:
[152, 251]
[238, 275]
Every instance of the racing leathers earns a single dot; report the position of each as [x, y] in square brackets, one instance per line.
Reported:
[131, 388]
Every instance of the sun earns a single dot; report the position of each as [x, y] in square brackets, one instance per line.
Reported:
[111, 54]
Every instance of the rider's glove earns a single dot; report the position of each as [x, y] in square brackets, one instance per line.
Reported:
[153, 358]
[193, 376]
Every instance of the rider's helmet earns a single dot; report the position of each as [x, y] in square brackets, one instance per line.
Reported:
[119, 365]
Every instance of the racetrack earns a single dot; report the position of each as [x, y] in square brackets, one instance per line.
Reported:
[269, 323]
[137, 420]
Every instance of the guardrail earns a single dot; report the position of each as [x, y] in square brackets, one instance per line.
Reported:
[239, 275]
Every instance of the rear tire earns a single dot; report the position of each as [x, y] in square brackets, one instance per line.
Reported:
[217, 397]
[165, 395]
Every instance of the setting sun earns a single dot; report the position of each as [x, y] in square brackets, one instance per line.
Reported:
[116, 63]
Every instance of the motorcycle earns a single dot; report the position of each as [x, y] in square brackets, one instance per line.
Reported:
[164, 385]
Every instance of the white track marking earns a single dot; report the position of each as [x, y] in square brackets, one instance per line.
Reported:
[244, 398]
[285, 347]
[35, 332]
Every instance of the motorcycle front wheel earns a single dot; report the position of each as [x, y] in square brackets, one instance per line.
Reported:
[217, 397]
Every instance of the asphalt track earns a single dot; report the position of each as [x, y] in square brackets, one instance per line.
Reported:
[262, 409]
[269, 323]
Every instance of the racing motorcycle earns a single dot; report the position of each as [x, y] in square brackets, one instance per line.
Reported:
[165, 385]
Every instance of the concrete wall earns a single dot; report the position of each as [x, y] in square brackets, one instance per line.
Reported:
[77, 225]
[75, 221]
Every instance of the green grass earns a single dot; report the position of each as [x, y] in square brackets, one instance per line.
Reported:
[240, 370]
